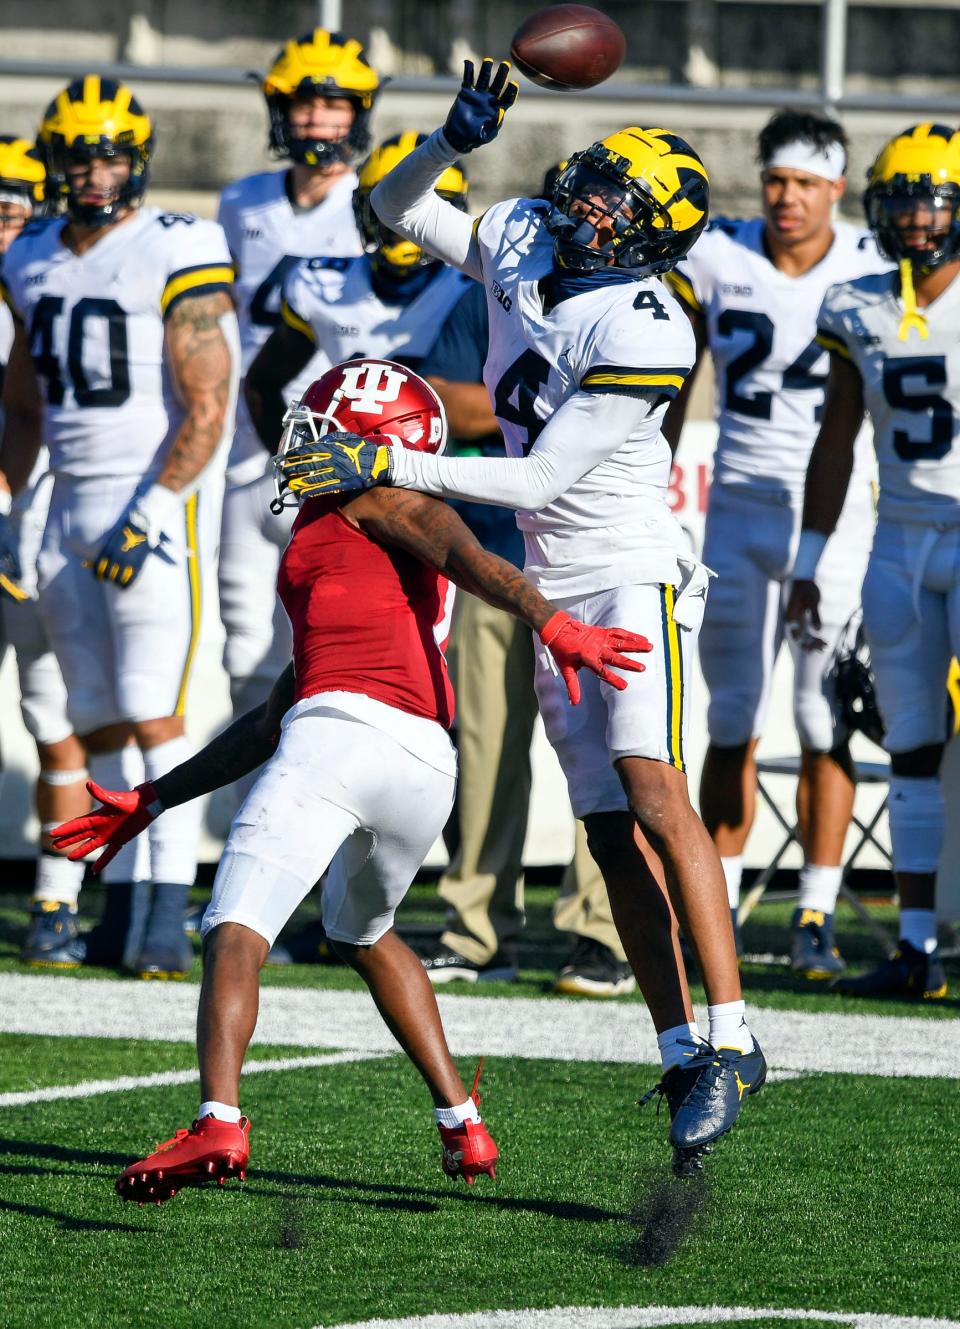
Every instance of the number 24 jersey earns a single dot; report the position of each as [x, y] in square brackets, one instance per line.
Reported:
[95, 326]
[911, 389]
[761, 324]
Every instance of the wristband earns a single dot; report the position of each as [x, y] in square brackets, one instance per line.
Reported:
[553, 626]
[809, 550]
[160, 509]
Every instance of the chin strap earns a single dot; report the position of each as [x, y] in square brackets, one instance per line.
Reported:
[912, 319]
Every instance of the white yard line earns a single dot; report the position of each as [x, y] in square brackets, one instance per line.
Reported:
[553, 1029]
[647, 1317]
[123, 1083]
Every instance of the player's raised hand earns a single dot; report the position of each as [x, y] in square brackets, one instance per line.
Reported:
[482, 102]
[338, 463]
[802, 615]
[575, 645]
[122, 814]
[10, 570]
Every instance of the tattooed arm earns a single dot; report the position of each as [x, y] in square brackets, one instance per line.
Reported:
[240, 749]
[201, 361]
[284, 355]
[432, 532]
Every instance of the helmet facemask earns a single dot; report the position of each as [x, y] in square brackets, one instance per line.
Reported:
[300, 425]
[896, 210]
[319, 152]
[129, 194]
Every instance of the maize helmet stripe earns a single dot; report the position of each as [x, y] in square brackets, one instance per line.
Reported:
[21, 166]
[387, 154]
[322, 61]
[667, 165]
[925, 154]
[93, 109]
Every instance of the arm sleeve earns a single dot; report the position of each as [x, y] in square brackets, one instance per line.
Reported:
[460, 351]
[584, 432]
[407, 202]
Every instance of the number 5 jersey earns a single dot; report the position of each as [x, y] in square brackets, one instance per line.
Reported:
[761, 327]
[911, 389]
[95, 325]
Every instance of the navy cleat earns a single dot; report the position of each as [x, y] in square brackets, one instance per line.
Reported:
[812, 949]
[724, 1078]
[909, 972]
[164, 958]
[674, 1087]
[52, 941]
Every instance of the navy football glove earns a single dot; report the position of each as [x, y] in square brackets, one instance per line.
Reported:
[10, 570]
[482, 102]
[143, 530]
[337, 463]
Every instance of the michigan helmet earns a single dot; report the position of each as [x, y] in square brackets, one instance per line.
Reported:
[320, 64]
[372, 398]
[852, 679]
[920, 166]
[390, 254]
[95, 117]
[652, 188]
[21, 172]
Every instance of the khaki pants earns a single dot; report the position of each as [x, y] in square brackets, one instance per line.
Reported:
[491, 660]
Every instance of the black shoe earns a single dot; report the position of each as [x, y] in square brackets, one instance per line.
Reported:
[52, 942]
[594, 971]
[448, 966]
[116, 941]
[812, 950]
[908, 973]
[674, 1087]
[308, 946]
[724, 1078]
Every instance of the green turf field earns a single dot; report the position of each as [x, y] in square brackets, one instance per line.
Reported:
[837, 1193]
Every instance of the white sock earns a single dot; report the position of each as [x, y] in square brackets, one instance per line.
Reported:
[174, 837]
[457, 1115]
[728, 1026]
[819, 887]
[674, 1044]
[732, 873]
[57, 878]
[919, 927]
[222, 1111]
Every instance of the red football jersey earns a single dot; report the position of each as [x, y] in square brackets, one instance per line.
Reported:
[366, 618]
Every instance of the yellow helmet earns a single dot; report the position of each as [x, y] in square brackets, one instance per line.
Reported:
[390, 254]
[21, 170]
[654, 190]
[320, 64]
[95, 117]
[920, 166]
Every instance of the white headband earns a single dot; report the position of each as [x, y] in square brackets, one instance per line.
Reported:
[8, 196]
[801, 155]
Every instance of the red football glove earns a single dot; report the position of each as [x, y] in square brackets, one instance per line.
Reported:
[122, 815]
[575, 646]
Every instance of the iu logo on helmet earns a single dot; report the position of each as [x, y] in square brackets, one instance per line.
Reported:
[371, 387]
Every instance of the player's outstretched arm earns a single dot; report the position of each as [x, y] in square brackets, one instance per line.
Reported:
[284, 355]
[241, 748]
[828, 478]
[406, 201]
[435, 534]
[586, 430]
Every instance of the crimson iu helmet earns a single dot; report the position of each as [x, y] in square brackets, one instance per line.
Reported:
[366, 397]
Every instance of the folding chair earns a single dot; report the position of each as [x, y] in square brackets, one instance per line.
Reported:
[867, 772]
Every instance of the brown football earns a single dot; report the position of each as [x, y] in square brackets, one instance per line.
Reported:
[568, 46]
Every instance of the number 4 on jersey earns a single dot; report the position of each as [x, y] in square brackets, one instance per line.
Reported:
[518, 390]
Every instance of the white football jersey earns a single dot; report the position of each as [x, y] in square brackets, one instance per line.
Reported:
[629, 337]
[332, 301]
[761, 326]
[95, 324]
[267, 236]
[911, 389]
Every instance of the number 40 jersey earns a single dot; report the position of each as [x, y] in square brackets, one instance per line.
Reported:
[761, 327]
[95, 325]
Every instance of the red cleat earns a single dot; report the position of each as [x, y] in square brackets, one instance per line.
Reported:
[468, 1149]
[211, 1150]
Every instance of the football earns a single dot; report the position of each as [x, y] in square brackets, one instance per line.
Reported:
[568, 46]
